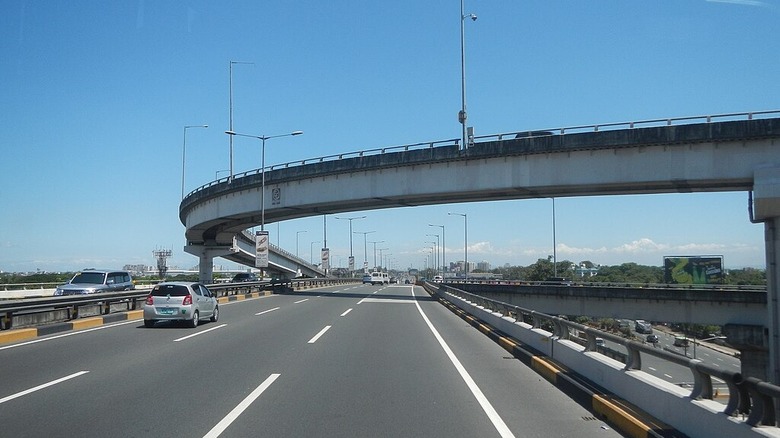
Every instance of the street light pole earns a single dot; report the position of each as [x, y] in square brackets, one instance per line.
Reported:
[555, 254]
[443, 248]
[462, 115]
[297, 234]
[183, 152]
[311, 252]
[365, 247]
[465, 240]
[230, 126]
[381, 260]
[350, 219]
[437, 250]
[375, 242]
[262, 138]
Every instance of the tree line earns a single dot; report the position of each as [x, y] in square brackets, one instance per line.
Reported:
[544, 269]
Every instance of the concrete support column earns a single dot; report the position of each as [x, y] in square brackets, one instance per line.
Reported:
[751, 341]
[766, 188]
[206, 254]
[772, 242]
[206, 269]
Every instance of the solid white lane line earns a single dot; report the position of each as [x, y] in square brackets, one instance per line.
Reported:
[39, 387]
[199, 333]
[73, 333]
[345, 313]
[238, 410]
[297, 302]
[498, 423]
[267, 311]
[317, 336]
[361, 301]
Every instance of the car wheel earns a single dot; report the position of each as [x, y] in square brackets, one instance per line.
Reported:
[215, 315]
[148, 323]
[194, 321]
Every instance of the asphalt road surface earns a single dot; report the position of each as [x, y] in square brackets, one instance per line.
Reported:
[348, 361]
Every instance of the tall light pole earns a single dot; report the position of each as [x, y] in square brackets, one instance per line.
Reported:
[465, 240]
[462, 115]
[350, 219]
[298, 233]
[437, 249]
[263, 138]
[375, 242]
[434, 256]
[365, 247]
[230, 126]
[311, 252]
[183, 153]
[381, 260]
[555, 255]
[443, 249]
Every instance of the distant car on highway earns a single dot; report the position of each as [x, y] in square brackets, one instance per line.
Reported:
[653, 339]
[642, 326]
[90, 281]
[180, 301]
[367, 279]
[244, 276]
[438, 279]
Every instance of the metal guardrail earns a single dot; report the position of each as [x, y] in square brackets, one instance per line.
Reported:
[616, 284]
[28, 286]
[522, 134]
[71, 306]
[747, 395]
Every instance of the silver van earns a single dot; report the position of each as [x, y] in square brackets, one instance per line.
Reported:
[90, 281]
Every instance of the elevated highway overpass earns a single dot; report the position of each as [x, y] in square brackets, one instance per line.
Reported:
[739, 153]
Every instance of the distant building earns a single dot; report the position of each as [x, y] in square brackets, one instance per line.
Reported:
[581, 271]
[483, 266]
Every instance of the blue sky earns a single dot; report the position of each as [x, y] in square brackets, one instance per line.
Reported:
[95, 96]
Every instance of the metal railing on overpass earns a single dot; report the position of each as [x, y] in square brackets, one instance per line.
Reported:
[515, 134]
[612, 284]
[46, 310]
[747, 396]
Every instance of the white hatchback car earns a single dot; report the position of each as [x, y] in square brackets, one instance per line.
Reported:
[180, 301]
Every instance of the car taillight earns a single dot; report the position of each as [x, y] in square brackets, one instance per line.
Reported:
[187, 300]
[149, 300]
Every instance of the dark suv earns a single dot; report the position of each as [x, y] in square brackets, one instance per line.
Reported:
[90, 281]
[245, 276]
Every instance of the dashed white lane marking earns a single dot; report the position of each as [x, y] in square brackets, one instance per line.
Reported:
[238, 410]
[318, 335]
[199, 333]
[39, 387]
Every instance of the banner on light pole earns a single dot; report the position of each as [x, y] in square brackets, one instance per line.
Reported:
[261, 249]
[325, 257]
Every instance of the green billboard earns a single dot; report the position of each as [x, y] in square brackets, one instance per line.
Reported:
[693, 270]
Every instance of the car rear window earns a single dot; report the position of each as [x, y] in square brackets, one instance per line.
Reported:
[173, 290]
